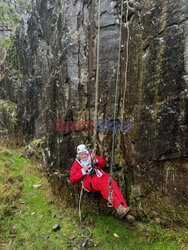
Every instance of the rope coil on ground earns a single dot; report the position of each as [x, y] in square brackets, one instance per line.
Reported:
[84, 228]
[90, 232]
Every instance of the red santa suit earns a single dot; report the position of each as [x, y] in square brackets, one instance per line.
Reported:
[97, 182]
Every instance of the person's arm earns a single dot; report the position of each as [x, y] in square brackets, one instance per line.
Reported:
[100, 162]
[77, 173]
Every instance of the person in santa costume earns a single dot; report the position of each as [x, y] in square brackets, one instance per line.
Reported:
[95, 179]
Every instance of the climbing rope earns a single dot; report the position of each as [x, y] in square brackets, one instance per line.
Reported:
[117, 88]
[110, 184]
[127, 59]
[82, 226]
[96, 109]
[97, 78]
[81, 193]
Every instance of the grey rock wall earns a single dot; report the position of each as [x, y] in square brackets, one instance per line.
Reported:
[55, 79]
[10, 14]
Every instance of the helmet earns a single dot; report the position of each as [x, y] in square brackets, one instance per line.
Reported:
[82, 149]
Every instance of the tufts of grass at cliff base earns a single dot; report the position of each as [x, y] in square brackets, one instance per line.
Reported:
[26, 216]
[109, 233]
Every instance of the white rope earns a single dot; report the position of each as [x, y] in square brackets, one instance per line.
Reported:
[127, 58]
[117, 88]
[81, 193]
[97, 78]
[110, 181]
[84, 228]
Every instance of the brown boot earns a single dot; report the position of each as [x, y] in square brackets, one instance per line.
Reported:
[122, 211]
[130, 218]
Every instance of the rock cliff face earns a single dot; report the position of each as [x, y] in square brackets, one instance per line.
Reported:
[10, 15]
[54, 78]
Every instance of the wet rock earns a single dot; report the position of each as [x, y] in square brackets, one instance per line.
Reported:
[36, 186]
[46, 237]
[157, 220]
[87, 243]
[116, 235]
[73, 237]
[22, 203]
[56, 227]
[40, 216]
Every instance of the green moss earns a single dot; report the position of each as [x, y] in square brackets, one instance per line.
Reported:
[118, 159]
[155, 233]
[13, 54]
[109, 234]
[34, 149]
[18, 73]
[10, 109]
[38, 142]
[5, 42]
[156, 205]
[9, 15]
[164, 12]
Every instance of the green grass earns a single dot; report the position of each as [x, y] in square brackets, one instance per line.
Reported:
[143, 236]
[26, 216]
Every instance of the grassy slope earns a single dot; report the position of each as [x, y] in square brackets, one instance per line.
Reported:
[26, 216]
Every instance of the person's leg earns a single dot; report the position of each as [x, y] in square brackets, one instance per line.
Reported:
[117, 196]
[118, 201]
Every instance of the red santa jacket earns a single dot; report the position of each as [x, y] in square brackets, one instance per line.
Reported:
[77, 174]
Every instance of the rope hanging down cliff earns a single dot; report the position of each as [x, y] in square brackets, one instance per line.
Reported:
[117, 76]
[127, 58]
[110, 187]
[96, 107]
[97, 78]
[117, 88]
[96, 96]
